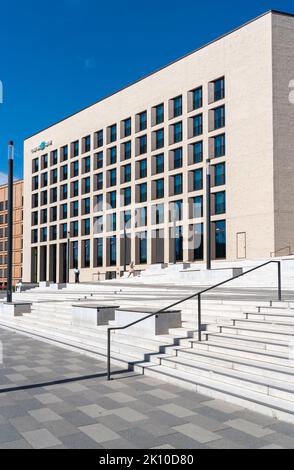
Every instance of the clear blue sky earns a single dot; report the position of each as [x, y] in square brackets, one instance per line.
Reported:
[59, 56]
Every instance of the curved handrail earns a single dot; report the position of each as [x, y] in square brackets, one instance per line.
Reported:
[198, 294]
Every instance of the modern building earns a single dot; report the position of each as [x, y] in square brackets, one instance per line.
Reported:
[100, 184]
[17, 233]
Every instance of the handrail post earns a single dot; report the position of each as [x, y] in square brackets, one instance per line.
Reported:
[280, 281]
[199, 319]
[108, 354]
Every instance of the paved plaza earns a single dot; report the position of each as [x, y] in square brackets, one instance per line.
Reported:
[54, 398]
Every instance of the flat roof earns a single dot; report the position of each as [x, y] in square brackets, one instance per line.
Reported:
[14, 182]
[276, 12]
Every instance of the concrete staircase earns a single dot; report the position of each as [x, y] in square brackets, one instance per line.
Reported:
[245, 357]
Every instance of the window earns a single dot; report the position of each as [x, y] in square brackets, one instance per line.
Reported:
[178, 184]
[127, 127]
[198, 152]
[112, 199]
[220, 174]
[44, 217]
[219, 145]
[177, 132]
[63, 211]
[219, 89]
[112, 133]
[35, 219]
[86, 227]
[44, 180]
[86, 185]
[75, 169]
[127, 150]
[54, 176]
[86, 253]
[63, 231]
[159, 163]
[99, 181]
[112, 156]
[143, 192]
[35, 200]
[159, 188]
[176, 211]
[99, 139]
[74, 229]
[86, 204]
[63, 192]
[99, 252]
[44, 197]
[87, 144]
[219, 117]
[53, 214]
[196, 207]
[35, 236]
[127, 196]
[220, 239]
[177, 106]
[64, 153]
[159, 139]
[198, 246]
[127, 219]
[75, 189]
[142, 144]
[143, 168]
[63, 173]
[159, 214]
[197, 125]
[143, 248]
[98, 224]
[35, 166]
[142, 217]
[53, 195]
[75, 209]
[127, 173]
[75, 254]
[179, 244]
[112, 177]
[197, 98]
[98, 203]
[53, 233]
[44, 160]
[35, 184]
[44, 234]
[86, 165]
[112, 251]
[197, 180]
[178, 158]
[98, 160]
[159, 114]
[220, 203]
[143, 121]
[112, 222]
[54, 157]
[75, 149]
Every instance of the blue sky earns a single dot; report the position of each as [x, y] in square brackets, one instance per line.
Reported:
[59, 56]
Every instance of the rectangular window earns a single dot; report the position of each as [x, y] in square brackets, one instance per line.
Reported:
[178, 158]
[112, 177]
[143, 121]
[54, 157]
[75, 169]
[99, 252]
[142, 144]
[35, 167]
[142, 217]
[196, 207]
[159, 163]
[86, 206]
[219, 117]
[127, 196]
[75, 255]
[86, 227]
[99, 181]
[159, 214]
[75, 189]
[99, 139]
[143, 192]
[53, 233]
[98, 161]
[127, 127]
[113, 133]
[63, 173]
[87, 144]
[143, 168]
[112, 251]
[220, 174]
[86, 165]
[197, 125]
[44, 160]
[86, 253]
[219, 89]
[86, 185]
[53, 196]
[220, 239]
[74, 232]
[63, 211]
[127, 150]
[143, 248]
[219, 145]
[44, 234]
[112, 199]
[64, 153]
[177, 106]
[197, 98]
[197, 180]
[75, 209]
[127, 173]
[220, 203]
[198, 152]
[159, 114]
[178, 184]
[75, 149]
[63, 231]
[178, 132]
[63, 192]
[54, 176]
[159, 188]
[112, 156]
[159, 139]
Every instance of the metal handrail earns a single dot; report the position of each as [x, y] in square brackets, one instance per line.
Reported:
[198, 294]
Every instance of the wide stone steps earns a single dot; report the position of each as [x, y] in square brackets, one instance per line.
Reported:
[251, 341]
[259, 402]
[250, 331]
[271, 317]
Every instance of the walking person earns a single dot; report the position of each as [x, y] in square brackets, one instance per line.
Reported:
[77, 275]
[132, 269]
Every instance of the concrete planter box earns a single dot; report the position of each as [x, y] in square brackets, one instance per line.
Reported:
[153, 326]
[91, 316]
[15, 309]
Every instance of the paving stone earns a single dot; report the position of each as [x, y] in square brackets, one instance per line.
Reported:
[48, 399]
[44, 415]
[99, 433]
[162, 394]
[176, 410]
[94, 411]
[249, 428]
[8, 433]
[195, 432]
[41, 439]
[222, 406]
[121, 397]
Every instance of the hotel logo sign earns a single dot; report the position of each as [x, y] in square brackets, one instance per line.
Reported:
[42, 146]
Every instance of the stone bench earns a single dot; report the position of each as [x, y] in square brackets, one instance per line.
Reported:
[92, 315]
[156, 325]
[15, 309]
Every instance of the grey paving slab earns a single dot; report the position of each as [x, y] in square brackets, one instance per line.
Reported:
[41, 439]
[48, 399]
[176, 410]
[44, 415]
[8, 433]
[99, 433]
[249, 428]
[198, 433]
